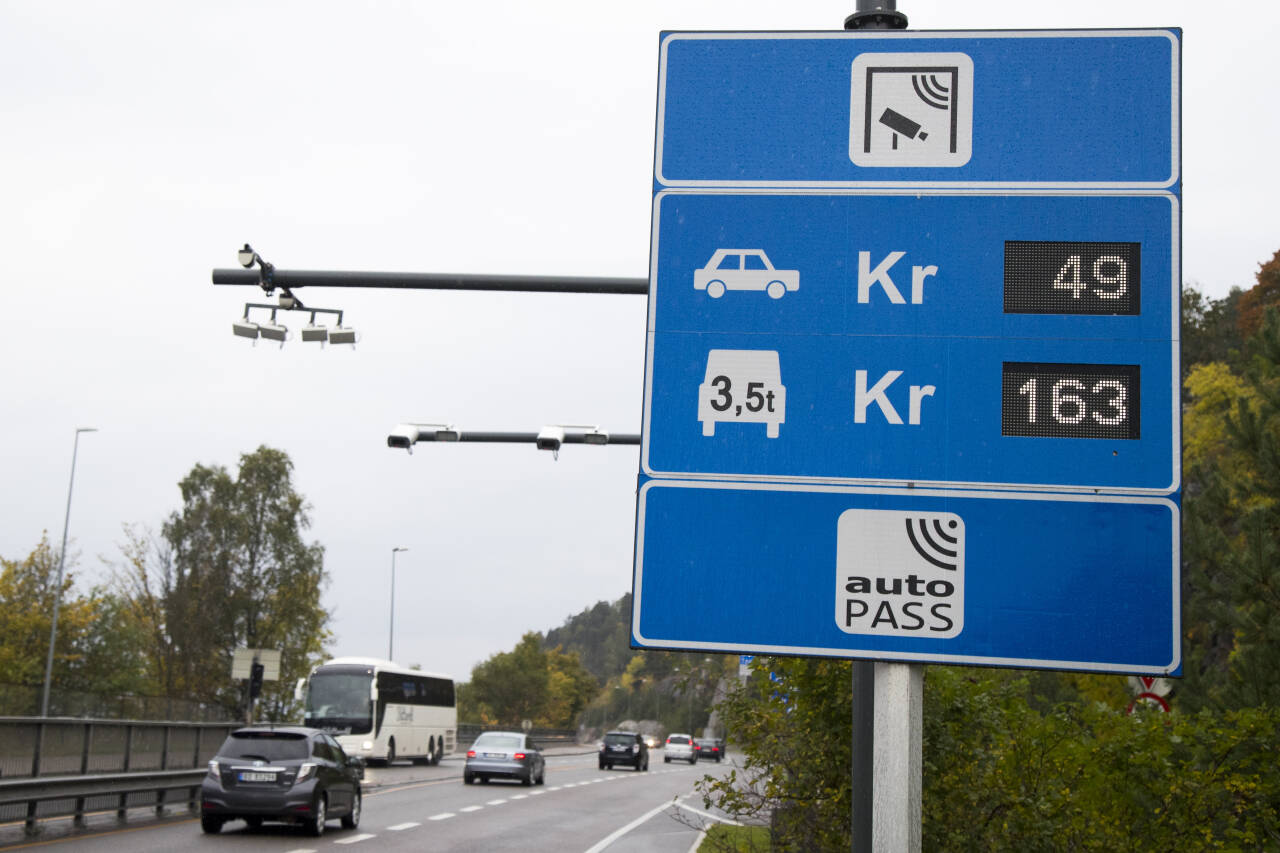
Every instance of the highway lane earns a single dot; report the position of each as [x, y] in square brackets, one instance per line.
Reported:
[580, 808]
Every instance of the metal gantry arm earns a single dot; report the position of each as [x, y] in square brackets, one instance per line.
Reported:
[550, 437]
[290, 280]
[269, 279]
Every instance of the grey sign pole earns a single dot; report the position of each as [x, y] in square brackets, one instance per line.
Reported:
[884, 764]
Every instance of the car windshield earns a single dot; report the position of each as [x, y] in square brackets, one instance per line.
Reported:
[622, 738]
[677, 739]
[267, 746]
[491, 740]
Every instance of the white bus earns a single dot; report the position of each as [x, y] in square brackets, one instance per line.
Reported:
[382, 711]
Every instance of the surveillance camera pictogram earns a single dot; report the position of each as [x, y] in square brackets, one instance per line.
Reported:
[911, 109]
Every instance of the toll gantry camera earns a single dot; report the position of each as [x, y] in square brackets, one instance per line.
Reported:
[403, 437]
[313, 332]
[550, 438]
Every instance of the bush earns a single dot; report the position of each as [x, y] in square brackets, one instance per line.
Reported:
[1012, 761]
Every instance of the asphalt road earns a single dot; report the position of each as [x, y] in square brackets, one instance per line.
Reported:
[580, 809]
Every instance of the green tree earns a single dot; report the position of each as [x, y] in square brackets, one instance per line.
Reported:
[27, 593]
[547, 687]
[1232, 532]
[1005, 769]
[569, 688]
[109, 653]
[232, 571]
[1210, 328]
[95, 651]
[1265, 294]
[511, 686]
[791, 723]
[600, 635]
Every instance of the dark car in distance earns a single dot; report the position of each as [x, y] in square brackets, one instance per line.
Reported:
[292, 774]
[711, 748]
[627, 748]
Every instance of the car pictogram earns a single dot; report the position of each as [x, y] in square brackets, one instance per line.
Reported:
[744, 269]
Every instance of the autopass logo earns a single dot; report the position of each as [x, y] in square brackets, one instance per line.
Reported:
[900, 573]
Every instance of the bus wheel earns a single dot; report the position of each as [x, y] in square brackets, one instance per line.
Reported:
[425, 759]
[438, 754]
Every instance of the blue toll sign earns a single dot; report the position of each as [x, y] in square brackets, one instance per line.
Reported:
[912, 373]
[1009, 109]
[889, 345]
[1068, 582]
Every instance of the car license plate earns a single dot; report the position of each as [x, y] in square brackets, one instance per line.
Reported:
[250, 776]
[496, 755]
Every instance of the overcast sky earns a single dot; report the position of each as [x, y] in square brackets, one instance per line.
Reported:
[143, 143]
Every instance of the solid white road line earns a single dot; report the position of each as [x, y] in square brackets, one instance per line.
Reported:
[707, 815]
[616, 834]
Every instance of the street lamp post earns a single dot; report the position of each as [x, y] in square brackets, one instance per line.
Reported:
[57, 587]
[391, 639]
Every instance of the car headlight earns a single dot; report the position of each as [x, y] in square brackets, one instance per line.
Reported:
[213, 771]
[305, 772]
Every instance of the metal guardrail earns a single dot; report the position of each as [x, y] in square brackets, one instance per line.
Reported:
[69, 795]
[468, 732]
[45, 746]
[58, 766]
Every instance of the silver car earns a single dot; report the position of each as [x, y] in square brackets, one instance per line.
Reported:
[680, 747]
[504, 755]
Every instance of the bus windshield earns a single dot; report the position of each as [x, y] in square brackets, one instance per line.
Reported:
[339, 702]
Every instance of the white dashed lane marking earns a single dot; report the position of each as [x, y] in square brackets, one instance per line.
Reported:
[400, 826]
[442, 816]
[471, 809]
[355, 839]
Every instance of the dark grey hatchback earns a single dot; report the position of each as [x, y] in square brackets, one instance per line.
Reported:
[291, 774]
[624, 748]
